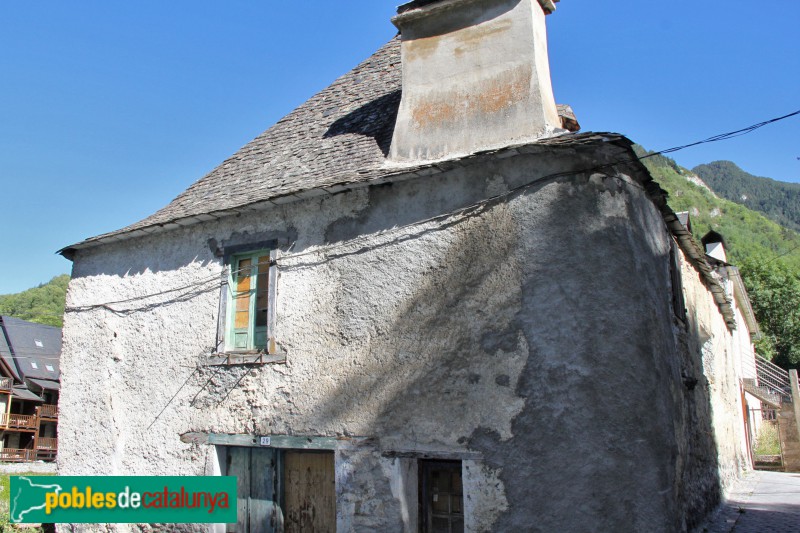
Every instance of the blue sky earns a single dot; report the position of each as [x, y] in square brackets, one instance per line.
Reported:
[110, 110]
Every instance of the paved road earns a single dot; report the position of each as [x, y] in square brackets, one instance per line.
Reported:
[764, 502]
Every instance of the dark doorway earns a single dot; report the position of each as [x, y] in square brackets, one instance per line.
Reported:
[441, 493]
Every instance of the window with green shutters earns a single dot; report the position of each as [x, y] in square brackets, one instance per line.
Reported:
[251, 302]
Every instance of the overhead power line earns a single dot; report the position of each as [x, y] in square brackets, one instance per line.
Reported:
[783, 254]
[725, 136]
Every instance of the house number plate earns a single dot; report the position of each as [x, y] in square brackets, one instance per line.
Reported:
[265, 441]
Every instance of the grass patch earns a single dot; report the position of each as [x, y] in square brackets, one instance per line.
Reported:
[768, 441]
[5, 487]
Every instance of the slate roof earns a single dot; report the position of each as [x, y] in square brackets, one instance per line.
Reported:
[45, 384]
[6, 357]
[35, 347]
[416, 4]
[22, 393]
[339, 136]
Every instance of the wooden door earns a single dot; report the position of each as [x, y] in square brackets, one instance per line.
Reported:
[309, 492]
[257, 474]
[441, 497]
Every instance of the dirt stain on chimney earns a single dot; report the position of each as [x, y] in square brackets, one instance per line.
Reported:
[422, 48]
[487, 97]
[462, 41]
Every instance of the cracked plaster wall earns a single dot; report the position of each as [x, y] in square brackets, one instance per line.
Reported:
[533, 339]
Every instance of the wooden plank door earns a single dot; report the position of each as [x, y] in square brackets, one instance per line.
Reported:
[256, 471]
[238, 464]
[309, 492]
[264, 514]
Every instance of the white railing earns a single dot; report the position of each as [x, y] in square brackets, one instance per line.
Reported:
[772, 376]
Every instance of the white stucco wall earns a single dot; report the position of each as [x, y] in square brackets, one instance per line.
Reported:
[725, 354]
[533, 338]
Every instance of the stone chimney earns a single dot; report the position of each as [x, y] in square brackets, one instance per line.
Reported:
[476, 76]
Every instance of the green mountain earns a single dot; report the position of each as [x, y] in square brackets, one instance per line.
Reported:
[779, 200]
[748, 234]
[43, 304]
[767, 254]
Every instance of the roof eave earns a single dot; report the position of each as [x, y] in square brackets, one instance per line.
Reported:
[388, 173]
[743, 299]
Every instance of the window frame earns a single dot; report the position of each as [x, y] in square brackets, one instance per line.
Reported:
[426, 490]
[229, 327]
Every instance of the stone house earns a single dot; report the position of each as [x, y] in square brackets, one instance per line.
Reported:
[417, 303]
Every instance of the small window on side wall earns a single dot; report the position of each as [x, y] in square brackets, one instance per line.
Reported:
[251, 302]
[678, 302]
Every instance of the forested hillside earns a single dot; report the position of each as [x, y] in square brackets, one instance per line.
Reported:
[43, 304]
[779, 200]
[767, 254]
[748, 234]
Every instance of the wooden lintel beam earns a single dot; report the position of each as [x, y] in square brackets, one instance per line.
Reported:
[272, 441]
[432, 454]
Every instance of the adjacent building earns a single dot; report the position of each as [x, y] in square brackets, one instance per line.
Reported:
[29, 390]
[419, 302]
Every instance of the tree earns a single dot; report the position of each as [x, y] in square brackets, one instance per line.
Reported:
[774, 290]
[43, 304]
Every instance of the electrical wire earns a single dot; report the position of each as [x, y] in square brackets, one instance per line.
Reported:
[143, 297]
[714, 138]
[726, 136]
[782, 254]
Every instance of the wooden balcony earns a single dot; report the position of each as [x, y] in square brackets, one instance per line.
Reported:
[46, 448]
[17, 455]
[24, 422]
[46, 455]
[6, 384]
[47, 443]
[48, 411]
[26, 455]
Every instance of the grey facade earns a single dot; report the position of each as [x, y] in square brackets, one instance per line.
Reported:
[508, 313]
